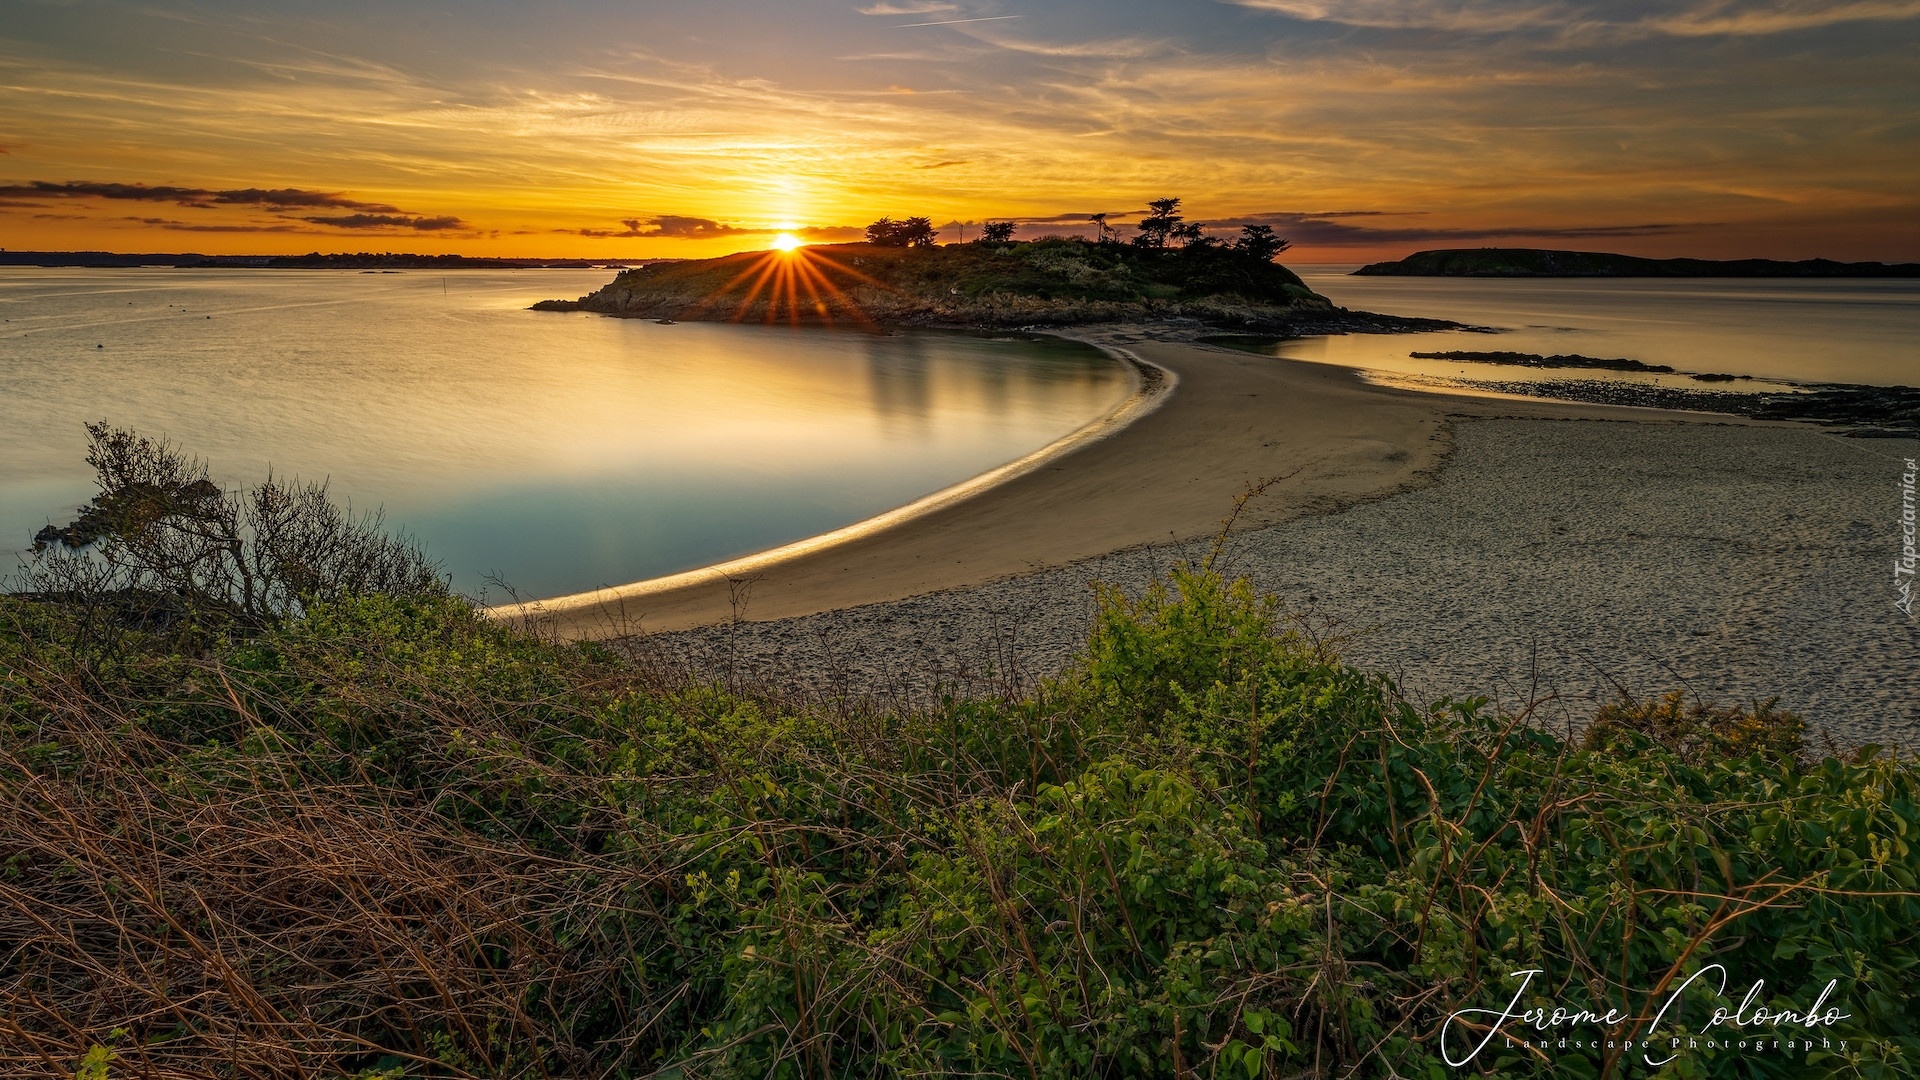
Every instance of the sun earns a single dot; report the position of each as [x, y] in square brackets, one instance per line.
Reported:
[786, 241]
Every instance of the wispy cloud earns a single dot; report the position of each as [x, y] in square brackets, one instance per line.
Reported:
[905, 9]
[444, 223]
[831, 234]
[199, 198]
[957, 22]
[201, 227]
[285, 203]
[1780, 17]
[677, 227]
[307, 225]
[1590, 18]
[1470, 16]
[668, 225]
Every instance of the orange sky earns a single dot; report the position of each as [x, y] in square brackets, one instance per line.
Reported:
[1362, 129]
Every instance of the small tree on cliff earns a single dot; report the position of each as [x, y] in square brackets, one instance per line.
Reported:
[1259, 242]
[996, 232]
[913, 232]
[1163, 227]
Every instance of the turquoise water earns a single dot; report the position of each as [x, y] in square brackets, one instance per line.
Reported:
[557, 452]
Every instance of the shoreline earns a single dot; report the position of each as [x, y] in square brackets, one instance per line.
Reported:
[1224, 421]
[1151, 386]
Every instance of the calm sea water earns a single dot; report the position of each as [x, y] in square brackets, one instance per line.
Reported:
[563, 452]
[1796, 329]
[559, 452]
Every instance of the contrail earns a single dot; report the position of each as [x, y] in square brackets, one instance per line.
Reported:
[950, 22]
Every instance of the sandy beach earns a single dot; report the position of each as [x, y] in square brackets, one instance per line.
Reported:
[1167, 467]
[1464, 546]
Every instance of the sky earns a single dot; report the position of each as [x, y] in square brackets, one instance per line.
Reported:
[1359, 129]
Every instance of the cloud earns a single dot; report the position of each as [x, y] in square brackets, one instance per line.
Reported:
[944, 164]
[1469, 16]
[830, 234]
[688, 228]
[198, 198]
[956, 22]
[676, 227]
[1328, 229]
[1075, 218]
[1592, 18]
[668, 225]
[295, 198]
[239, 228]
[187, 226]
[1780, 17]
[388, 221]
[672, 226]
[885, 8]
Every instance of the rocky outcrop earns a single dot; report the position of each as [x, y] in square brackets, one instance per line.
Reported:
[1535, 360]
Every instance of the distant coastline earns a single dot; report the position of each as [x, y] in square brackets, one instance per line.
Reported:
[1542, 262]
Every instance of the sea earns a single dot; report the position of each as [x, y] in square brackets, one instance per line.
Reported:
[537, 454]
[533, 453]
[1782, 332]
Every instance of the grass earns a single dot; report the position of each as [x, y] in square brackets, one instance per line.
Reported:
[388, 836]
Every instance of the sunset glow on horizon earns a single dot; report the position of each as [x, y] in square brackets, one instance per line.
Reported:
[1360, 130]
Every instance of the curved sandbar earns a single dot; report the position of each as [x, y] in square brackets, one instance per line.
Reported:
[1166, 466]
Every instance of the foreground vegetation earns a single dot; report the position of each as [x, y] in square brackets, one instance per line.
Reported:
[380, 833]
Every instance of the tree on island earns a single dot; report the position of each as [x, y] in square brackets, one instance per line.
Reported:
[913, 232]
[995, 232]
[1259, 242]
[1163, 226]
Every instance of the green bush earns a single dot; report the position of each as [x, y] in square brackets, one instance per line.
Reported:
[392, 836]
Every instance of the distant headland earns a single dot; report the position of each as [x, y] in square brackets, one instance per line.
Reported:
[1541, 262]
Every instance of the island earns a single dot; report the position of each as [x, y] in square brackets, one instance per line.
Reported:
[1049, 282]
[1542, 262]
